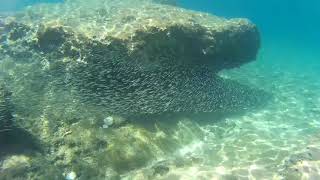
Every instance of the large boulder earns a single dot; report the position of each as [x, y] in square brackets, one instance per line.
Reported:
[146, 34]
[136, 56]
[69, 67]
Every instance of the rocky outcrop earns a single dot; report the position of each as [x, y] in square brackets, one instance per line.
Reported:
[137, 57]
[76, 70]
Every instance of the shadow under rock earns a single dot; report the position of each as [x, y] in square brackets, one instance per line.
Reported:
[13, 139]
[18, 141]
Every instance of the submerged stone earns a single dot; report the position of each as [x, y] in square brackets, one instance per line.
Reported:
[137, 58]
[13, 167]
[108, 121]
[76, 67]
[71, 175]
[15, 161]
[160, 170]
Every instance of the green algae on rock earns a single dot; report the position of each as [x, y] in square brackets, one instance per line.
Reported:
[151, 34]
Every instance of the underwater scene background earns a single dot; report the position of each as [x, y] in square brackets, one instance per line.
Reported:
[54, 124]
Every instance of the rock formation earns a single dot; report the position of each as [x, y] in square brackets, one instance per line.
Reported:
[132, 57]
[71, 66]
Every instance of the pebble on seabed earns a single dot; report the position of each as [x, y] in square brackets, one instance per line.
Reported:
[108, 121]
[71, 176]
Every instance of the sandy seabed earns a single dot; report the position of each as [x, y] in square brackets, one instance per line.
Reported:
[279, 141]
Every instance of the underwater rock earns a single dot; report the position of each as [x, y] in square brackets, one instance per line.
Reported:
[160, 170]
[14, 167]
[111, 174]
[141, 58]
[113, 121]
[146, 35]
[73, 64]
[108, 121]
[15, 161]
[300, 165]
[71, 175]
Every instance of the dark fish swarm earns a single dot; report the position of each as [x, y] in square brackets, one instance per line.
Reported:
[125, 87]
[6, 118]
[169, 2]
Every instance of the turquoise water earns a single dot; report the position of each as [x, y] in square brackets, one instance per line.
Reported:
[280, 140]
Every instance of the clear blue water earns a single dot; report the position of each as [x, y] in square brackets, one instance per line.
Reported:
[289, 20]
[13, 5]
[259, 144]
